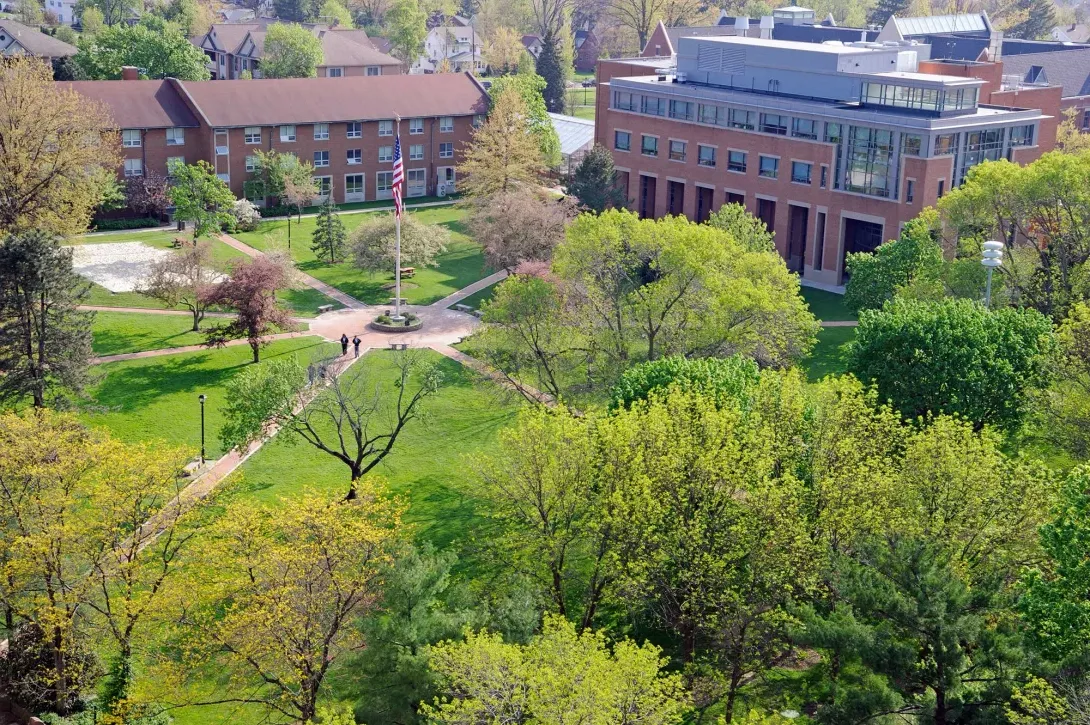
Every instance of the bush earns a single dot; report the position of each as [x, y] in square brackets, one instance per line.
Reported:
[724, 379]
[105, 225]
[246, 215]
[27, 673]
[276, 210]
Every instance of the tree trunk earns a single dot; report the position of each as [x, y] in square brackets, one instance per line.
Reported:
[356, 475]
[256, 347]
[940, 706]
[197, 321]
[60, 688]
[732, 693]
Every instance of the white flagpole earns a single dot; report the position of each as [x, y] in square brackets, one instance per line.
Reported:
[397, 225]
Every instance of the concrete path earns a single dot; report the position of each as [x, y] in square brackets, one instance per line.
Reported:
[493, 375]
[441, 326]
[452, 299]
[151, 311]
[840, 323]
[188, 348]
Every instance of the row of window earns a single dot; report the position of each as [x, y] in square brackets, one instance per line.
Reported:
[355, 156]
[416, 181]
[133, 137]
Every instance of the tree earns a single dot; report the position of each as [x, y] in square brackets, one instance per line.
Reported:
[407, 29]
[726, 380]
[159, 53]
[148, 194]
[329, 235]
[291, 51]
[1039, 20]
[504, 50]
[374, 243]
[45, 339]
[503, 154]
[29, 13]
[73, 505]
[300, 187]
[335, 12]
[530, 86]
[594, 182]
[186, 278]
[746, 229]
[59, 151]
[91, 20]
[560, 676]
[354, 418]
[550, 67]
[280, 588]
[250, 289]
[915, 255]
[113, 12]
[296, 11]
[201, 197]
[639, 16]
[1065, 406]
[954, 357]
[885, 8]
[519, 226]
[285, 177]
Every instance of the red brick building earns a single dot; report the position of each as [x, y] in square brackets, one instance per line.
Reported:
[344, 126]
[834, 146]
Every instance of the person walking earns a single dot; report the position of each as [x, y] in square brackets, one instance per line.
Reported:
[344, 344]
[356, 344]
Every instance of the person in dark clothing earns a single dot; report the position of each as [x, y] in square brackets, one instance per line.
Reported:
[344, 344]
[356, 344]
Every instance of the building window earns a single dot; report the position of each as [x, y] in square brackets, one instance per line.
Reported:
[416, 182]
[354, 157]
[650, 146]
[416, 126]
[324, 185]
[769, 167]
[736, 161]
[134, 167]
[682, 110]
[624, 101]
[1022, 135]
[870, 161]
[942, 187]
[911, 144]
[334, 72]
[824, 176]
[712, 115]
[353, 187]
[654, 106]
[253, 135]
[800, 172]
[677, 150]
[374, 70]
[385, 154]
[446, 150]
[478, 120]
[416, 152]
[446, 124]
[705, 155]
[225, 178]
[384, 184]
[910, 189]
[287, 134]
[982, 146]
[321, 158]
[354, 129]
[1086, 120]
[385, 128]
[774, 123]
[734, 198]
[622, 140]
[251, 164]
[321, 132]
[804, 128]
[447, 176]
[175, 137]
[741, 119]
[946, 144]
[130, 138]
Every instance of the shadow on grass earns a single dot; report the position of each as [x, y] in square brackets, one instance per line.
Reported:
[109, 342]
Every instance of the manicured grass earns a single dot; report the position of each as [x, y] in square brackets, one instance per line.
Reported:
[586, 112]
[479, 297]
[461, 265]
[579, 102]
[382, 203]
[829, 356]
[827, 306]
[121, 332]
[156, 398]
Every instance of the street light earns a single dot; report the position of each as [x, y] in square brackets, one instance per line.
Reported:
[202, 398]
[992, 257]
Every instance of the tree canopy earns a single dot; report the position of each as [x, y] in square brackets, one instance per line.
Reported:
[291, 51]
[158, 52]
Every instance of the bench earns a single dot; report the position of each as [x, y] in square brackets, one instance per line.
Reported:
[478, 314]
[393, 301]
[463, 308]
[408, 271]
[399, 346]
[324, 308]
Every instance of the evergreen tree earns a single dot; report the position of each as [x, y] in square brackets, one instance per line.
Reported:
[1039, 19]
[549, 67]
[885, 8]
[329, 235]
[593, 183]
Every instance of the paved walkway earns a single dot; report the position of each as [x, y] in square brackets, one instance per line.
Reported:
[840, 323]
[187, 348]
[151, 311]
[493, 375]
[441, 326]
[453, 299]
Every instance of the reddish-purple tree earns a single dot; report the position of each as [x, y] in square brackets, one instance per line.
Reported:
[148, 194]
[251, 290]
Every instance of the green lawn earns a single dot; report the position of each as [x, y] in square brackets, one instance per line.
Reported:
[479, 297]
[827, 305]
[461, 265]
[120, 332]
[156, 398]
[579, 102]
[829, 356]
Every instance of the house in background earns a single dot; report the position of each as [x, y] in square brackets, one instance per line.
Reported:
[238, 15]
[532, 43]
[586, 49]
[18, 39]
[1072, 33]
[459, 45]
[234, 48]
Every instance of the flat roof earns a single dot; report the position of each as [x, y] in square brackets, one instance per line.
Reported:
[833, 48]
[897, 75]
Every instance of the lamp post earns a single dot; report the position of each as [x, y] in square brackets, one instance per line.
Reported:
[202, 398]
[991, 258]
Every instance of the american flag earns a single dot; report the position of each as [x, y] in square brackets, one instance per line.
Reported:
[399, 177]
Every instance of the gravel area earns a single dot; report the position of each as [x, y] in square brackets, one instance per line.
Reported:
[119, 267]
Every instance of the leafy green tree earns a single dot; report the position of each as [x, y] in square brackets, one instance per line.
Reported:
[1038, 20]
[159, 53]
[45, 339]
[296, 11]
[550, 67]
[504, 154]
[407, 24]
[91, 20]
[882, 11]
[746, 229]
[201, 197]
[329, 235]
[374, 243]
[291, 51]
[560, 676]
[915, 255]
[729, 379]
[530, 88]
[334, 11]
[1064, 413]
[954, 357]
[594, 184]
[113, 12]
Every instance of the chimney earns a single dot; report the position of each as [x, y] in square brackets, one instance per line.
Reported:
[766, 27]
[129, 73]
